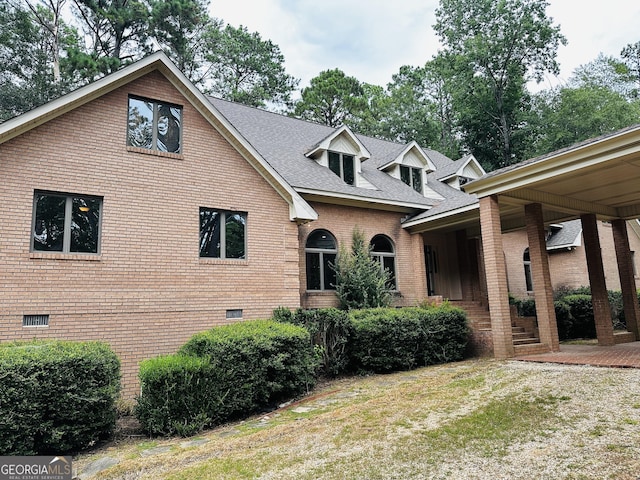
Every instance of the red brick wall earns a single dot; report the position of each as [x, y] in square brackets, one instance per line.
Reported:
[340, 221]
[148, 291]
[567, 268]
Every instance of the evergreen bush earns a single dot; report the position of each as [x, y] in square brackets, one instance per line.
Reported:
[56, 397]
[583, 323]
[331, 331]
[387, 339]
[360, 281]
[223, 373]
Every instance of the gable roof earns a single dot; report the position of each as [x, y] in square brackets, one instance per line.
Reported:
[285, 141]
[278, 148]
[457, 168]
[299, 209]
[412, 146]
[325, 144]
[565, 235]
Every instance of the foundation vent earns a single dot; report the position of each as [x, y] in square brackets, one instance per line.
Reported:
[35, 320]
[237, 313]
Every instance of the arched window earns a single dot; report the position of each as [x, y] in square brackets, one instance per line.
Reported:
[321, 251]
[383, 252]
[526, 259]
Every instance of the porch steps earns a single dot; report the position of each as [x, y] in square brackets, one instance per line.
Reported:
[477, 313]
[522, 337]
[530, 349]
[480, 320]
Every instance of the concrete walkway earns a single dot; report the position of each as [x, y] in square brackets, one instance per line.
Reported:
[624, 355]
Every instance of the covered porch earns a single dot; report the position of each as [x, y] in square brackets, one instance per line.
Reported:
[595, 180]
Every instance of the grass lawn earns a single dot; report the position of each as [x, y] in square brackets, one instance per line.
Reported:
[479, 419]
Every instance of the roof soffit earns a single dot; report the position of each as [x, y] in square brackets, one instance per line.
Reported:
[565, 161]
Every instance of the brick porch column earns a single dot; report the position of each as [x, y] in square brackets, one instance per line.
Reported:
[599, 298]
[542, 288]
[496, 273]
[627, 281]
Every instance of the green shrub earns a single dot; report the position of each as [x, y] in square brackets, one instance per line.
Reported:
[564, 319]
[239, 369]
[617, 309]
[360, 281]
[583, 324]
[56, 397]
[178, 395]
[526, 308]
[387, 339]
[331, 331]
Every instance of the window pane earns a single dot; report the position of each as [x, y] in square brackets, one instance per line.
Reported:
[313, 271]
[334, 163]
[349, 169]
[381, 244]
[48, 231]
[209, 233]
[169, 122]
[235, 235]
[329, 272]
[85, 225]
[140, 130]
[321, 239]
[390, 265]
[405, 174]
[527, 277]
[417, 179]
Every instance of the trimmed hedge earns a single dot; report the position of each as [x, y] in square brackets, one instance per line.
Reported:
[177, 395]
[387, 339]
[582, 321]
[331, 331]
[222, 373]
[56, 397]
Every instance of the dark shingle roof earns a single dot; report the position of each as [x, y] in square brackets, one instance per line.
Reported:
[568, 235]
[454, 199]
[283, 142]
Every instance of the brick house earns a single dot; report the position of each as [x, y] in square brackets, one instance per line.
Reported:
[567, 257]
[138, 211]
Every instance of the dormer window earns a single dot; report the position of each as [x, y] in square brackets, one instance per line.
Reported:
[411, 176]
[343, 165]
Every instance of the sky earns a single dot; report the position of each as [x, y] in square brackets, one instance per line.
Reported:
[372, 39]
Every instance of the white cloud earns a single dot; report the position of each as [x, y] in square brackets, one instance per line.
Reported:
[372, 39]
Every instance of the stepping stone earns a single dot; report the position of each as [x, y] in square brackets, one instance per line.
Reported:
[194, 443]
[155, 451]
[97, 466]
[302, 409]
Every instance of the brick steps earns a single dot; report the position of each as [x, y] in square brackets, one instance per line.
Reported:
[530, 349]
[480, 320]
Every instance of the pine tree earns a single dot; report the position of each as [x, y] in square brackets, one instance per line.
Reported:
[360, 282]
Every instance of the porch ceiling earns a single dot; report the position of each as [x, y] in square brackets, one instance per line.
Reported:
[599, 176]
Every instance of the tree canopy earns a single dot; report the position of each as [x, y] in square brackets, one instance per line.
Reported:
[494, 48]
[473, 96]
[332, 98]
